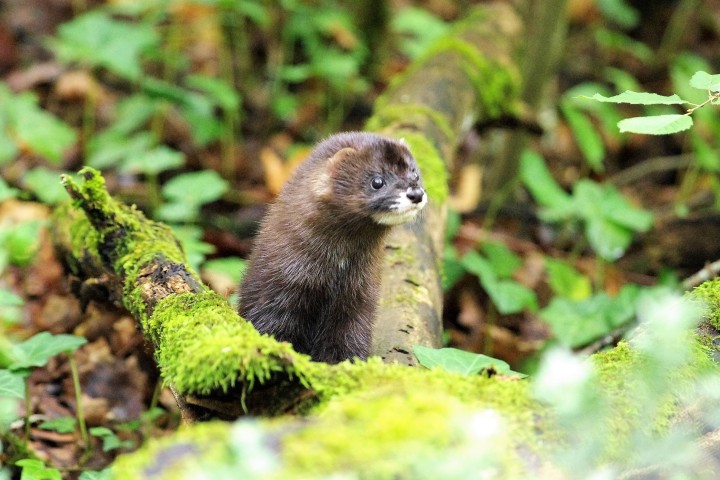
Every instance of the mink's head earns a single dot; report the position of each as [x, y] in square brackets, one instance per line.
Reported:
[367, 176]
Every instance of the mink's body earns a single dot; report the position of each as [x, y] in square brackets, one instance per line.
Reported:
[314, 274]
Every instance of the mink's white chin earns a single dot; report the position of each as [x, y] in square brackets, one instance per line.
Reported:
[402, 212]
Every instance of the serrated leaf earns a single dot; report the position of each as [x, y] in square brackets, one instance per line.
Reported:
[656, 125]
[37, 350]
[12, 384]
[459, 361]
[705, 81]
[640, 98]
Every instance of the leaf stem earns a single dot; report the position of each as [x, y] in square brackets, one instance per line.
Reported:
[78, 401]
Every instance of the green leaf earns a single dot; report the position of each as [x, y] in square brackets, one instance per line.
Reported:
[110, 440]
[453, 269]
[37, 350]
[567, 282]
[12, 384]
[97, 39]
[22, 241]
[155, 161]
[705, 81]
[36, 470]
[110, 149]
[577, 323]
[507, 295]
[46, 185]
[537, 178]
[38, 130]
[196, 188]
[9, 299]
[620, 12]
[222, 93]
[459, 361]
[502, 260]
[6, 191]
[656, 125]
[640, 98]
[96, 475]
[60, 424]
[586, 136]
[417, 28]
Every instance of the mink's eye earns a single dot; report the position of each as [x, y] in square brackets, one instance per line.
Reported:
[377, 183]
[414, 176]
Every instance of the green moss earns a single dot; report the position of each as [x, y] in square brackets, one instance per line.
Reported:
[408, 113]
[375, 421]
[203, 345]
[709, 293]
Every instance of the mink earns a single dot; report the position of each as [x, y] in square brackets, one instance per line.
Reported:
[313, 277]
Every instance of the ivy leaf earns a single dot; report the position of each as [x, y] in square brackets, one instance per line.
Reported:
[37, 350]
[97, 39]
[36, 470]
[502, 260]
[196, 188]
[12, 384]
[656, 125]
[640, 98]
[155, 161]
[507, 295]
[577, 323]
[60, 424]
[459, 361]
[705, 81]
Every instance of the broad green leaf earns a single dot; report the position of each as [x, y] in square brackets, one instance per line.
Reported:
[132, 113]
[36, 470]
[477, 265]
[12, 384]
[510, 297]
[705, 81]
[656, 125]
[22, 242]
[620, 12]
[594, 199]
[155, 161]
[417, 28]
[46, 186]
[37, 129]
[9, 299]
[222, 93]
[8, 149]
[196, 188]
[606, 114]
[99, 40]
[37, 350]
[177, 212]
[96, 475]
[537, 178]
[577, 323]
[503, 261]
[60, 424]
[607, 239]
[640, 98]
[110, 149]
[6, 191]
[459, 361]
[567, 282]
[623, 44]
[586, 136]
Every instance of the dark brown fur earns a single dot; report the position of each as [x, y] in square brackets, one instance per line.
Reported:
[314, 274]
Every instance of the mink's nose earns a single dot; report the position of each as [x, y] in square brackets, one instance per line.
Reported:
[415, 194]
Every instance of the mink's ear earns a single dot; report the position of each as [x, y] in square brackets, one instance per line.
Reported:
[322, 184]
